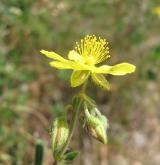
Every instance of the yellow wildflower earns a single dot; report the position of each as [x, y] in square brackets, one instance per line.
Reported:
[156, 10]
[83, 60]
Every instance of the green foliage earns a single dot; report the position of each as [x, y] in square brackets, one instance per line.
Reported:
[156, 53]
[70, 156]
[39, 152]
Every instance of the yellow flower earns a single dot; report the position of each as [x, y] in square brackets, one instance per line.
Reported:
[156, 10]
[83, 60]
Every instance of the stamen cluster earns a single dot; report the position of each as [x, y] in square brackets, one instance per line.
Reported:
[93, 50]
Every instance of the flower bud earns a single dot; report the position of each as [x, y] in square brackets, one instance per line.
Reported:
[96, 125]
[59, 135]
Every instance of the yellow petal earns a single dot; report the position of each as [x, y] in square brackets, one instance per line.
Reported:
[52, 55]
[63, 65]
[118, 70]
[100, 80]
[79, 77]
[73, 55]
[68, 65]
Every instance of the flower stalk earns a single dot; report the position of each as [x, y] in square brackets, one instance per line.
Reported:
[71, 130]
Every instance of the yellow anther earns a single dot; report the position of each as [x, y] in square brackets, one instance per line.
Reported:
[93, 50]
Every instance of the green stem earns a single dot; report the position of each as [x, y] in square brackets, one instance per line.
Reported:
[84, 87]
[73, 123]
[72, 128]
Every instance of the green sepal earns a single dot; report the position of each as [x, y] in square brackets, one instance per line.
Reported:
[79, 77]
[100, 80]
[59, 135]
[89, 101]
[70, 156]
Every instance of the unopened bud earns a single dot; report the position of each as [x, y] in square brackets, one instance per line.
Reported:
[59, 135]
[96, 125]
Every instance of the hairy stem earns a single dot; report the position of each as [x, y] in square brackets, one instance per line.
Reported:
[72, 128]
[73, 123]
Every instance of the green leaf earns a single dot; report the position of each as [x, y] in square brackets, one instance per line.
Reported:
[100, 80]
[69, 156]
[39, 152]
[79, 77]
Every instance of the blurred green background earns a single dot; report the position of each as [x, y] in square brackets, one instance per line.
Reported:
[32, 94]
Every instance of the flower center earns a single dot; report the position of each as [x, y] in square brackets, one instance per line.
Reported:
[93, 50]
[89, 60]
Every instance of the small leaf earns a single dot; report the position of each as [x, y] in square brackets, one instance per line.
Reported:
[39, 152]
[69, 156]
[100, 80]
[79, 77]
